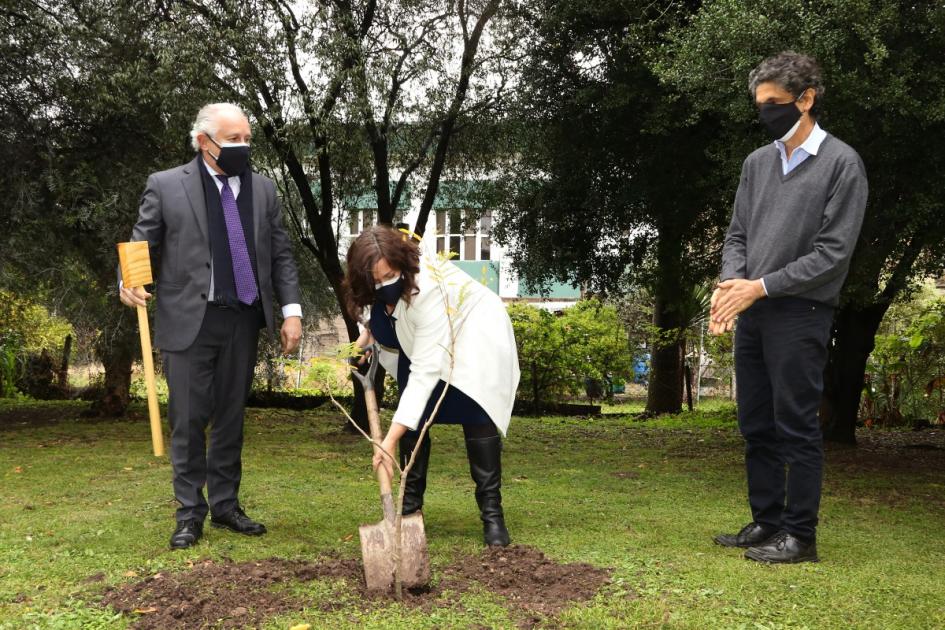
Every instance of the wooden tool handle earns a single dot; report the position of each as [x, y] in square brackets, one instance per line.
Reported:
[135, 261]
[383, 478]
[154, 413]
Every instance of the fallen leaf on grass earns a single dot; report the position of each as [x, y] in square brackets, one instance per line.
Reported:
[145, 611]
[348, 537]
[18, 469]
[302, 626]
[130, 574]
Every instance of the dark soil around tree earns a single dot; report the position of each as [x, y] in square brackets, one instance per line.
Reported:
[239, 595]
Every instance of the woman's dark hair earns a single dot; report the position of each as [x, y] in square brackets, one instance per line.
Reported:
[794, 72]
[379, 242]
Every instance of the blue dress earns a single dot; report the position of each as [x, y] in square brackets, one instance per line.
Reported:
[457, 407]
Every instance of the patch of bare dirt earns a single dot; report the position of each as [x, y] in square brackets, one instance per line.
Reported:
[527, 578]
[211, 594]
[29, 417]
[893, 451]
[239, 595]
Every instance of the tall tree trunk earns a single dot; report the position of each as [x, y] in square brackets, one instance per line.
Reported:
[665, 391]
[664, 394]
[117, 355]
[854, 336]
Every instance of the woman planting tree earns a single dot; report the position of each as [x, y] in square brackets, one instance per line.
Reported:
[437, 328]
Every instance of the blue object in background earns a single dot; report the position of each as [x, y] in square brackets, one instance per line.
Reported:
[641, 369]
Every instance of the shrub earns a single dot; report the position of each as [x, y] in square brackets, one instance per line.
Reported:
[559, 354]
[905, 379]
[29, 339]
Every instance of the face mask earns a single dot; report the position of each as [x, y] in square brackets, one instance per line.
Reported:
[233, 158]
[389, 291]
[781, 120]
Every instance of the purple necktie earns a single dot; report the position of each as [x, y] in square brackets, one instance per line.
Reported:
[242, 268]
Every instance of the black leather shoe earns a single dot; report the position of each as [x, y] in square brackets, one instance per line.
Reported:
[783, 548]
[237, 521]
[752, 535]
[485, 466]
[187, 534]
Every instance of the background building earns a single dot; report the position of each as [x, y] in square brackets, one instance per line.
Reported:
[464, 227]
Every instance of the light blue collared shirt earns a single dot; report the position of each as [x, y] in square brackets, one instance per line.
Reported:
[808, 148]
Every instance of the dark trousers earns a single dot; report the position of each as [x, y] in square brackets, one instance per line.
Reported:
[208, 384]
[780, 355]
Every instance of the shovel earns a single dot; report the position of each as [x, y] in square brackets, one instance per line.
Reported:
[378, 540]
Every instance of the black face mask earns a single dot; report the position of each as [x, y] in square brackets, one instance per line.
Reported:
[389, 292]
[781, 120]
[233, 158]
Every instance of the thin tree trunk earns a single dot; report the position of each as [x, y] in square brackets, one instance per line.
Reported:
[688, 375]
[64, 368]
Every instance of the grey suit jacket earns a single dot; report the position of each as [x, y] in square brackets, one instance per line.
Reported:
[172, 217]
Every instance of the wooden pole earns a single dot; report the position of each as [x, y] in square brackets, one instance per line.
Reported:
[154, 412]
[135, 261]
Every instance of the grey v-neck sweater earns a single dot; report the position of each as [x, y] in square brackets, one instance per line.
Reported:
[797, 231]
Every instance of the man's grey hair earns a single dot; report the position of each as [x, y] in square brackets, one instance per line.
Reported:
[206, 121]
[795, 72]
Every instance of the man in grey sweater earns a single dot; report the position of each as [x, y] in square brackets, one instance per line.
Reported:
[797, 217]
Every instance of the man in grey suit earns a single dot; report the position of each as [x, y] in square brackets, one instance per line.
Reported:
[219, 249]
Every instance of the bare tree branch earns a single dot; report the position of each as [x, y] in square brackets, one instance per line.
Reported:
[470, 49]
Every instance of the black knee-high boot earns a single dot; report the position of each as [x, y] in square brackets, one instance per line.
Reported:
[417, 477]
[485, 466]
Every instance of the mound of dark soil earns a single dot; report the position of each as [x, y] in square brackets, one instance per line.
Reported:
[217, 594]
[527, 578]
[239, 595]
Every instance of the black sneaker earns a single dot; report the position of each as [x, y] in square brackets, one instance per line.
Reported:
[187, 534]
[236, 520]
[752, 535]
[783, 548]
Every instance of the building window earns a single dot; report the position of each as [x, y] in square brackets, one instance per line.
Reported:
[464, 233]
[485, 239]
[360, 220]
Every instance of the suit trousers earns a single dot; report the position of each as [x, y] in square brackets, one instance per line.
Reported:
[208, 385]
[780, 355]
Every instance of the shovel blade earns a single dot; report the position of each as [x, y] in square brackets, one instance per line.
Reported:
[377, 551]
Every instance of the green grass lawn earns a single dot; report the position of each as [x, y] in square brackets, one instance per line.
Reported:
[83, 499]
